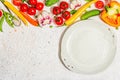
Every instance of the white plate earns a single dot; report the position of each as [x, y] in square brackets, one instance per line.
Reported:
[88, 47]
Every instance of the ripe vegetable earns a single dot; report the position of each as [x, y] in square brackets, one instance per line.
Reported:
[29, 19]
[99, 4]
[64, 5]
[59, 21]
[79, 13]
[66, 15]
[1, 13]
[56, 10]
[32, 2]
[31, 11]
[17, 2]
[12, 8]
[89, 14]
[39, 6]
[24, 7]
[110, 14]
[50, 2]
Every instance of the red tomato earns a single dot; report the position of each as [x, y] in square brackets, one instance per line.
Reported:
[66, 15]
[59, 21]
[99, 4]
[64, 5]
[17, 2]
[1, 13]
[31, 11]
[39, 6]
[32, 2]
[56, 10]
[24, 7]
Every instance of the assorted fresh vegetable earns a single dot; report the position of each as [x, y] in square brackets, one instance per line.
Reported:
[29, 19]
[78, 13]
[12, 8]
[63, 13]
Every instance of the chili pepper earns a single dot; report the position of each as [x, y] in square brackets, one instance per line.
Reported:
[9, 18]
[110, 14]
[1, 23]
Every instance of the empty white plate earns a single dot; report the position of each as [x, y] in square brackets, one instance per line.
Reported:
[88, 47]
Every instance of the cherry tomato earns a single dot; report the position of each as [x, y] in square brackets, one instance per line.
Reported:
[24, 7]
[56, 10]
[32, 2]
[31, 11]
[99, 4]
[64, 5]
[66, 15]
[17, 2]
[1, 13]
[59, 21]
[39, 6]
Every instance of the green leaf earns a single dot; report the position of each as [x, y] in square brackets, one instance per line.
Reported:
[88, 0]
[73, 12]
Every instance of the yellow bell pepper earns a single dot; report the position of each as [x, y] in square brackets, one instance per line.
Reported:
[111, 14]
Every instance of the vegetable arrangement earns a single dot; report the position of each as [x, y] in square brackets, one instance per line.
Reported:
[60, 13]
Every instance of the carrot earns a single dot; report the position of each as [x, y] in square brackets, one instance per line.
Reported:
[29, 19]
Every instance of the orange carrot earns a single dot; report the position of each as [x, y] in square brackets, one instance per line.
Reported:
[29, 19]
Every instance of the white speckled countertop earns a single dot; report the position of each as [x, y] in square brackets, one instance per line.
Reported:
[28, 53]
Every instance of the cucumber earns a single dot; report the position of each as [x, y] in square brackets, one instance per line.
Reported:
[89, 14]
[49, 3]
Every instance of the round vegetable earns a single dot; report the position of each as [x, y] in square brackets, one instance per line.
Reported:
[24, 7]
[59, 21]
[31, 11]
[99, 4]
[32, 2]
[17, 2]
[64, 5]
[1, 13]
[39, 6]
[56, 10]
[90, 14]
[66, 15]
